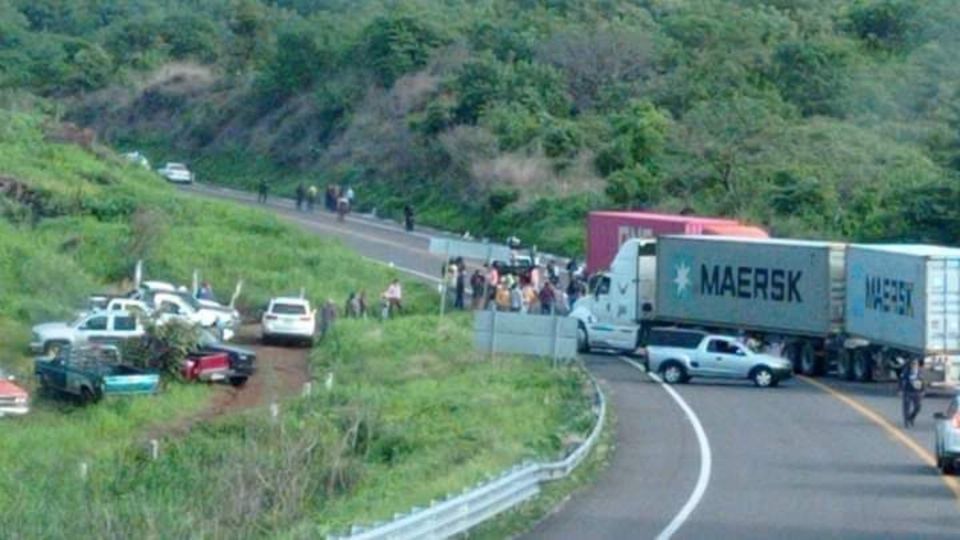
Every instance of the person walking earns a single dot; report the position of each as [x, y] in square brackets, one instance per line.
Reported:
[343, 206]
[911, 388]
[547, 298]
[301, 194]
[476, 288]
[351, 195]
[362, 303]
[461, 287]
[516, 298]
[408, 217]
[262, 188]
[328, 314]
[394, 297]
[311, 197]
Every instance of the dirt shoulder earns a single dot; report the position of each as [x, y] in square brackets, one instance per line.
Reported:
[281, 373]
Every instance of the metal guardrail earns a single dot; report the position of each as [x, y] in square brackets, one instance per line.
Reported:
[457, 514]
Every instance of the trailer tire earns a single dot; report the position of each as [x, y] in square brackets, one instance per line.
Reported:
[845, 365]
[862, 368]
[810, 364]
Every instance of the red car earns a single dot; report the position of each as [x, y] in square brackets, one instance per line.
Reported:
[207, 367]
[13, 399]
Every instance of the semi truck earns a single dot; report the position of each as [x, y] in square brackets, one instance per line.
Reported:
[862, 310]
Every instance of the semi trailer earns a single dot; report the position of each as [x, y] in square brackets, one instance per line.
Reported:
[862, 310]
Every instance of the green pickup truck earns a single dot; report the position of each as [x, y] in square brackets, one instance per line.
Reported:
[91, 373]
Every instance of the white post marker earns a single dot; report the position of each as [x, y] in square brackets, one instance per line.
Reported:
[706, 457]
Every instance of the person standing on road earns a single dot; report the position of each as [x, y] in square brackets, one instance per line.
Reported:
[351, 195]
[262, 188]
[911, 387]
[461, 286]
[311, 197]
[301, 194]
[408, 217]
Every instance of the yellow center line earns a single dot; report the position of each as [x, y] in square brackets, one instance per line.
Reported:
[925, 455]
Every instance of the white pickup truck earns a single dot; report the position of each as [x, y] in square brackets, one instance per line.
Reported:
[98, 327]
[678, 354]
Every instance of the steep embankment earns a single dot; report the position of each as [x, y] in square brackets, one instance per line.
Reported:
[508, 117]
[412, 412]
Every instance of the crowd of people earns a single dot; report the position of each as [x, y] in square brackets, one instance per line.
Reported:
[337, 199]
[532, 289]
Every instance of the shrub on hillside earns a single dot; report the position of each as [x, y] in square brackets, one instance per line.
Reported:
[163, 348]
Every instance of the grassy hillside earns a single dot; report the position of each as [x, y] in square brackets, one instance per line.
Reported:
[413, 412]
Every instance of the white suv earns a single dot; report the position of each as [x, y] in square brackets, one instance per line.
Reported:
[176, 173]
[289, 319]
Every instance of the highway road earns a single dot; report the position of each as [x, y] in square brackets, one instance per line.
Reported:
[811, 459]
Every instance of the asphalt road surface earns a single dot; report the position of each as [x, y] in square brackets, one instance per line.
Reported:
[799, 461]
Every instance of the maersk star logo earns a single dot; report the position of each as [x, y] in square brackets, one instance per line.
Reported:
[681, 279]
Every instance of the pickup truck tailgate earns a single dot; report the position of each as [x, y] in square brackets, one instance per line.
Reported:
[147, 383]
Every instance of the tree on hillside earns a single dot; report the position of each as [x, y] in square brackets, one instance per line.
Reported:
[597, 60]
[397, 44]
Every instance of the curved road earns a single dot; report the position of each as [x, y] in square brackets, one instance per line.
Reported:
[792, 462]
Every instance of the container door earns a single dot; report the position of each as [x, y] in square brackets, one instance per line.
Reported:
[943, 305]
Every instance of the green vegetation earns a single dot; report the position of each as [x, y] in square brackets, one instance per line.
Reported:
[413, 412]
[828, 118]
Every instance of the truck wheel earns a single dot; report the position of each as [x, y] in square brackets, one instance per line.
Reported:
[809, 363]
[862, 365]
[86, 395]
[583, 343]
[845, 365]
[763, 378]
[673, 373]
[237, 382]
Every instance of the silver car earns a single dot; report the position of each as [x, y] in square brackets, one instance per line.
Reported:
[678, 354]
[948, 437]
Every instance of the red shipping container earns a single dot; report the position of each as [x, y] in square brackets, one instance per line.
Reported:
[608, 230]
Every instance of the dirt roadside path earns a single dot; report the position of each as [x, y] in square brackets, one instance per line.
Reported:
[281, 373]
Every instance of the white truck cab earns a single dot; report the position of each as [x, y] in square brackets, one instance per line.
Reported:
[609, 317]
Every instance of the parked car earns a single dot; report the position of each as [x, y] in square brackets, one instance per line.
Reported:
[13, 399]
[168, 300]
[289, 319]
[948, 437]
[98, 327]
[679, 354]
[241, 361]
[90, 373]
[138, 158]
[176, 173]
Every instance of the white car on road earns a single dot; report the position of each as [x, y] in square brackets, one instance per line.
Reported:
[176, 173]
[289, 319]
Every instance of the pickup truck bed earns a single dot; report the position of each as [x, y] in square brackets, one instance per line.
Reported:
[91, 375]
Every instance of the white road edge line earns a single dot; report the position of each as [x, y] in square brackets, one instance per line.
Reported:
[402, 269]
[706, 457]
